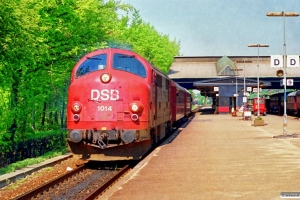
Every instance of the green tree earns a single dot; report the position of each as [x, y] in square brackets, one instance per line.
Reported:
[19, 48]
[144, 39]
[40, 42]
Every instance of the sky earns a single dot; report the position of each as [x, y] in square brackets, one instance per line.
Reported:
[219, 27]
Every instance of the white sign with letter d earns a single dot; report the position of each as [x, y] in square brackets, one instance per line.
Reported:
[292, 61]
[277, 61]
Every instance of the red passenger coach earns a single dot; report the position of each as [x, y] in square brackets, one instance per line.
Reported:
[293, 103]
[188, 102]
[180, 102]
[118, 106]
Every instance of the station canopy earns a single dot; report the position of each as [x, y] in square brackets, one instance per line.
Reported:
[204, 73]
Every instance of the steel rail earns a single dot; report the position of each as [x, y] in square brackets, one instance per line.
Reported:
[108, 183]
[33, 193]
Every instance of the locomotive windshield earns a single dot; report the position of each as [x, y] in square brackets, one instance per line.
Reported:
[92, 64]
[130, 64]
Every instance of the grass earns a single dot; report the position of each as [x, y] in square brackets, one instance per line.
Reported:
[30, 161]
[18, 183]
[23, 180]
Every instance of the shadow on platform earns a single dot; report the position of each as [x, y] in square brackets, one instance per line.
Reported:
[207, 111]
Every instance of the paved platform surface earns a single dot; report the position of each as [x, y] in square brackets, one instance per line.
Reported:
[218, 157]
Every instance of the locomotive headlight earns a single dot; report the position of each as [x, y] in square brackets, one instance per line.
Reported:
[136, 107]
[76, 108]
[134, 117]
[76, 117]
[105, 78]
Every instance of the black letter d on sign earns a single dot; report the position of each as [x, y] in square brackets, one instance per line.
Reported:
[292, 61]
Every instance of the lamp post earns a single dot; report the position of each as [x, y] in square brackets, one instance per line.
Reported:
[236, 87]
[284, 14]
[258, 45]
[244, 89]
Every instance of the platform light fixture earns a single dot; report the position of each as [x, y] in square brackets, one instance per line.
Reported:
[258, 84]
[283, 72]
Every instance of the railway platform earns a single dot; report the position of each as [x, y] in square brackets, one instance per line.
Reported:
[218, 157]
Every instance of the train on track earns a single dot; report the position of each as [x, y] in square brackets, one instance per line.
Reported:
[119, 105]
[252, 105]
[276, 103]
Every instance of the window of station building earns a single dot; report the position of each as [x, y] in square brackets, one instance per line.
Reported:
[129, 63]
[92, 64]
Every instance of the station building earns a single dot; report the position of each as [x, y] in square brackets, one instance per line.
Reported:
[228, 78]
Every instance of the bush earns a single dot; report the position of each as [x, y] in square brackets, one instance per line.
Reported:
[30, 161]
[33, 147]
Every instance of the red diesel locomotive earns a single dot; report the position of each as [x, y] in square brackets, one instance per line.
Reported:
[262, 106]
[119, 105]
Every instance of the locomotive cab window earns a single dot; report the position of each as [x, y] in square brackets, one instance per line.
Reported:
[130, 64]
[92, 64]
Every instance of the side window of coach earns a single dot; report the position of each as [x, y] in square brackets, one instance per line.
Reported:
[130, 64]
[92, 64]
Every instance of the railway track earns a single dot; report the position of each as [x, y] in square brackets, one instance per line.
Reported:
[77, 184]
[80, 183]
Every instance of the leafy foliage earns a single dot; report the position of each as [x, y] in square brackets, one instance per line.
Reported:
[30, 161]
[32, 147]
[145, 40]
[40, 41]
